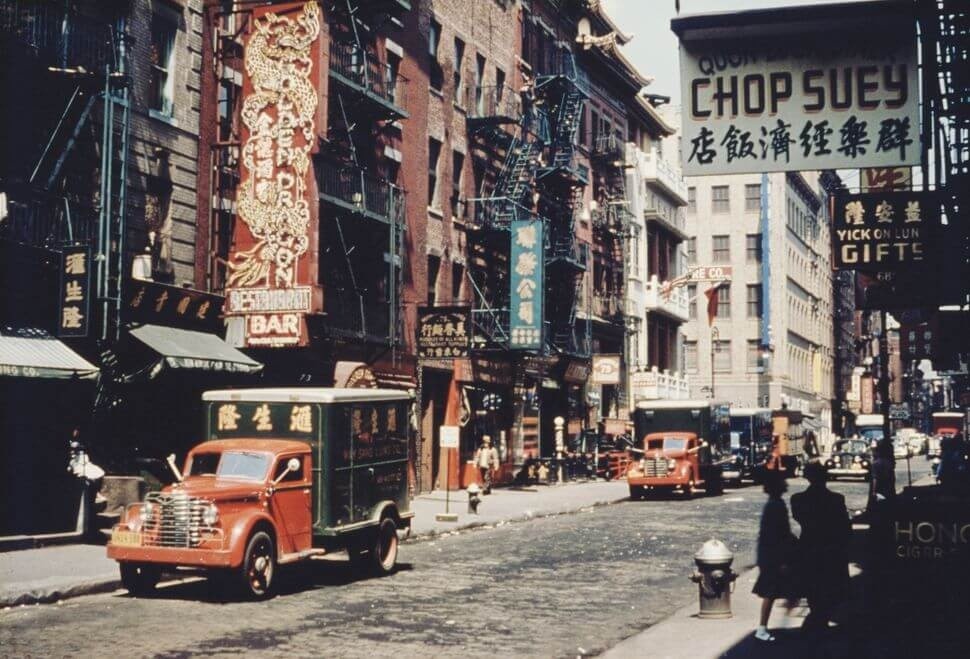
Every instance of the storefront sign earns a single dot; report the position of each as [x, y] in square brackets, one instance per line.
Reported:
[710, 273]
[808, 92]
[75, 292]
[885, 178]
[577, 372]
[867, 403]
[525, 314]
[276, 420]
[443, 332]
[899, 411]
[449, 436]
[606, 369]
[882, 230]
[273, 265]
[171, 306]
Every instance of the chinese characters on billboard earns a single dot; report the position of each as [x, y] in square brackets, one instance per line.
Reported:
[525, 314]
[882, 230]
[272, 266]
[443, 333]
[840, 98]
[75, 293]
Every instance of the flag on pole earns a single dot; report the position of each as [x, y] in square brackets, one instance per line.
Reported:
[711, 294]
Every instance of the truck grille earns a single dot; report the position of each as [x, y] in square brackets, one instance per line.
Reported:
[176, 520]
[845, 461]
[654, 468]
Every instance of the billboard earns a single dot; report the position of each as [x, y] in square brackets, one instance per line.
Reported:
[443, 332]
[799, 89]
[885, 230]
[526, 281]
[273, 261]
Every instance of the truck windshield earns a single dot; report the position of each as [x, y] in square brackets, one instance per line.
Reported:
[871, 434]
[231, 464]
[674, 443]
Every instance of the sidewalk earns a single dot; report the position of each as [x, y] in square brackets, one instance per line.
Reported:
[49, 574]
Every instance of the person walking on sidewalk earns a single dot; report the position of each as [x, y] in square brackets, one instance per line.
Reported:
[823, 545]
[776, 546]
[486, 459]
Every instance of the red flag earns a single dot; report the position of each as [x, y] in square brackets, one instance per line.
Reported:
[711, 294]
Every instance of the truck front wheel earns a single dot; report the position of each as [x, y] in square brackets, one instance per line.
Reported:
[636, 492]
[139, 578]
[259, 566]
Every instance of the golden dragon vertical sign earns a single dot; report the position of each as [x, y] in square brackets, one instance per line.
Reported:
[272, 265]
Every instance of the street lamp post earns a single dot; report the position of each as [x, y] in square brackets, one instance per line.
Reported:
[715, 336]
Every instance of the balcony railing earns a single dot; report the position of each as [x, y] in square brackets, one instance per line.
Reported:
[497, 213]
[43, 220]
[357, 191]
[655, 169]
[490, 329]
[608, 305]
[573, 341]
[655, 384]
[358, 313]
[676, 304]
[560, 65]
[498, 104]
[608, 146]
[60, 37]
[376, 79]
[671, 218]
[568, 250]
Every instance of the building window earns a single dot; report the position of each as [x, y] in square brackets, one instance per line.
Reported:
[754, 355]
[479, 85]
[722, 249]
[393, 72]
[161, 94]
[457, 279]
[722, 356]
[754, 300]
[434, 265]
[692, 250]
[690, 356]
[692, 301]
[635, 251]
[459, 62]
[692, 199]
[720, 201]
[457, 164]
[434, 151]
[752, 247]
[724, 302]
[436, 77]
[752, 197]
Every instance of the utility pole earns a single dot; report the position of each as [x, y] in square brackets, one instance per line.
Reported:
[886, 444]
[715, 336]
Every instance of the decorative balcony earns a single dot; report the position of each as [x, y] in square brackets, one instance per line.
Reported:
[372, 80]
[676, 304]
[656, 170]
[492, 105]
[671, 218]
[359, 192]
[60, 37]
[655, 384]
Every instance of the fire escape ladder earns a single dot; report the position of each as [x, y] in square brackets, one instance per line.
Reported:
[63, 137]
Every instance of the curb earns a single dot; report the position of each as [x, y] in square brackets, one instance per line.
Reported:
[57, 593]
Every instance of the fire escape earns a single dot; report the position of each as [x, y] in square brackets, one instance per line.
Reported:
[67, 183]
[611, 226]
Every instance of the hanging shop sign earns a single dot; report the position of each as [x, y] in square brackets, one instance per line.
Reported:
[606, 369]
[443, 332]
[885, 178]
[73, 318]
[273, 263]
[806, 88]
[152, 303]
[577, 371]
[525, 314]
[885, 230]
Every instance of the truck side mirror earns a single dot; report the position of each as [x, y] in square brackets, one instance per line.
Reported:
[293, 464]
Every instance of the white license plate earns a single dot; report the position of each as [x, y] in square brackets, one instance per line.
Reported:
[126, 538]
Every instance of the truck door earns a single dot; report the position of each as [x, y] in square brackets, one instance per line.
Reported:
[292, 503]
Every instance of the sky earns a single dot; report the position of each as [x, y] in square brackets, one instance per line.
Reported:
[653, 48]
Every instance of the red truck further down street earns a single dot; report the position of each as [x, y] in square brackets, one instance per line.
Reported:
[286, 475]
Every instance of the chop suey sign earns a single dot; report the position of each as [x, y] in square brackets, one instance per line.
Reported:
[804, 98]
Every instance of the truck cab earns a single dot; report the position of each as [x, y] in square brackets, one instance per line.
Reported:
[285, 475]
[750, 443]
[685, 446]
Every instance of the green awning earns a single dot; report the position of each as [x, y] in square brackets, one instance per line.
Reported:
[186, 349]
[42, 356]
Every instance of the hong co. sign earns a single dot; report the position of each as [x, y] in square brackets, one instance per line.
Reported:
[805, 88]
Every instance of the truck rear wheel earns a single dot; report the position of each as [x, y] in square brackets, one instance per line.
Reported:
[259, 566]
[139, 578]
[383, 553]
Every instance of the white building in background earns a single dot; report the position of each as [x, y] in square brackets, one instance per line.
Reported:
[773, 326]
[657, 193]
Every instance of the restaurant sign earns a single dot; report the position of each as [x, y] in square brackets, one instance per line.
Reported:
[273, 263]
[525, 314]
[443, 332]
[885, 230]
[798, 90]
[606, 369]
[75, 292]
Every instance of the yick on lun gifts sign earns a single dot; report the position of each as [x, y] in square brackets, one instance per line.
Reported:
[273, 262]
[802, 90]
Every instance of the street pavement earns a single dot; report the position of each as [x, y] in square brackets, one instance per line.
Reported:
[563, 585]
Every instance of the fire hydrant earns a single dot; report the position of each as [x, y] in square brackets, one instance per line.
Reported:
[474, 498]
[715, 579]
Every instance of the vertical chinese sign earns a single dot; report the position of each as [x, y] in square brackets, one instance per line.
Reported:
[273, 262]
[525, 313]
[75, 292]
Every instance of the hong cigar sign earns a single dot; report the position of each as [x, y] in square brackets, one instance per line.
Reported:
[273, 261]
[806, 88]
[882, 231]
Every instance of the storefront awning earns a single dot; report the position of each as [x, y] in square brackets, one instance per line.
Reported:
[186, 349]
[42, 356]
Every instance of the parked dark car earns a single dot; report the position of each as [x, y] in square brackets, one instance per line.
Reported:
[850, 458]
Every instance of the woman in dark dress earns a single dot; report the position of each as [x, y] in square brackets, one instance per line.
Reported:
[775, 543]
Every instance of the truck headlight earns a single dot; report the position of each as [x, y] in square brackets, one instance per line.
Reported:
[210, 515]
[857, 459]
[146, 512]
[671, 464]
